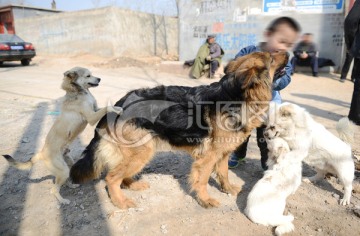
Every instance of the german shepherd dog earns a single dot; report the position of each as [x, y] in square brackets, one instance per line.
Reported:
[207, 121]
[78, 109]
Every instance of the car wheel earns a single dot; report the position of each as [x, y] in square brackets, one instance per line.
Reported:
[25, 62]
[1, 62]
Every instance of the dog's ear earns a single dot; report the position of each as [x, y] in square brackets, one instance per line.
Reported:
[233, 65]
[253, 76]
[259, 72]
[299, 115]
[252, 69]
[69, 82]
[287, 110]
[72, 75]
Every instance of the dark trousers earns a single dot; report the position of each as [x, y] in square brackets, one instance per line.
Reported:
[354, 113]
[214, 64]
[310, 61]
[240, 151]
[346, 67]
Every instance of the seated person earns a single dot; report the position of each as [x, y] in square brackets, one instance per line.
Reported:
[209, 54]
[305, 54]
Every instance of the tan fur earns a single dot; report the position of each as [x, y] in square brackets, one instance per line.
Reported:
[78, 109]
[123, 161]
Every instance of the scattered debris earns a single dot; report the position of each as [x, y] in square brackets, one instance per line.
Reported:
[163, 229]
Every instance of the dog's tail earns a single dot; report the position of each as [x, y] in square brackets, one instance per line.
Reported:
[284, 225]
[89, 166]
[23, 165]
[345, 129]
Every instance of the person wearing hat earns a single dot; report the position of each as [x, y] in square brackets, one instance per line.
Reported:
[209, 55]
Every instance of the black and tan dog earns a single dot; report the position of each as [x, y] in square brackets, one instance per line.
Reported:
[207, 121]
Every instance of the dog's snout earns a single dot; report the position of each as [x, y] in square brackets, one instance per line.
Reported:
[98, 80]
[280, 56]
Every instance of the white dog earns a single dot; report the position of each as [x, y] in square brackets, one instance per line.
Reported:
[327, 153]
[277, 147]
[266, 201]
[78, 109]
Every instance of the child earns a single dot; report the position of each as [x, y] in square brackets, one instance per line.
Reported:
[280, 35]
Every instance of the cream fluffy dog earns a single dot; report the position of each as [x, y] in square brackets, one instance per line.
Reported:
[326, 152]
[78, 109]
[266, 201]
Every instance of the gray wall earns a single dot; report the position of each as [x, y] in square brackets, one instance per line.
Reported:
[109, 31]
[241, 23]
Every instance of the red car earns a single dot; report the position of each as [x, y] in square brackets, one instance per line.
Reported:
[13, 48]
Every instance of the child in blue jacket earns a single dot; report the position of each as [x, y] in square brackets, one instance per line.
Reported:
[281, 35]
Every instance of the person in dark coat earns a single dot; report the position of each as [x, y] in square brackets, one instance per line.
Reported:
[345, 69]
[352, 41]
[305, 54]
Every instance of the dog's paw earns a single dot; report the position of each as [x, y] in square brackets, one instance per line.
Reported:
[209, 203]
[232, 189]
[344, 202]
[54, 190]
[117, 110]
[125, 204]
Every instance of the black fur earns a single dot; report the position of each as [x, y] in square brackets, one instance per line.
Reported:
[177, 121]
[83, 169]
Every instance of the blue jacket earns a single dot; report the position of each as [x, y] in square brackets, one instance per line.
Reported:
[280, 81]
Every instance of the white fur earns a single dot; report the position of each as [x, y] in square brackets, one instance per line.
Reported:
[327, 153]
[266, 201]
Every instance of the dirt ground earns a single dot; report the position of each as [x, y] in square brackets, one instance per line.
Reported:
[29, 105]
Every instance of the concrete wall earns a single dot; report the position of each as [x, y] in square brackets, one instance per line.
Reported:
[109, 31]
[241, 23]
[25, 12]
